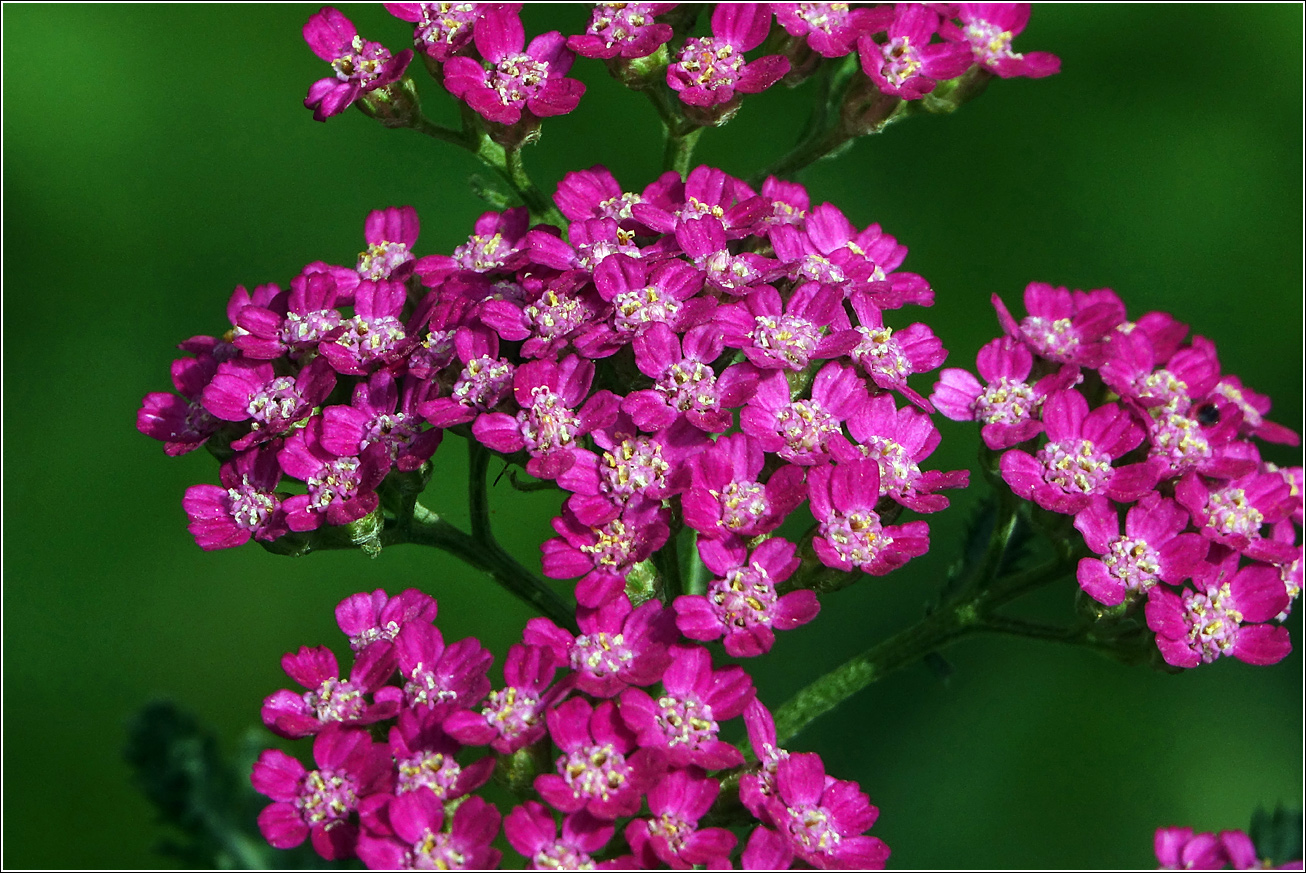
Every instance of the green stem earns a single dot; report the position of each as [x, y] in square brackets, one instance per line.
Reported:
[958, 618]
[667, 560]
[540, 206]
[679, 150]
[429, 529]
[478, 500]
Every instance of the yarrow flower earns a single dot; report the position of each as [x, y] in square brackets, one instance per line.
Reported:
[358, 65]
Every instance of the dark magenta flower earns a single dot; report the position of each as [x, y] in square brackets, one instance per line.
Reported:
[822, 820]
[685, 384]
[297, 323]
[181, 423]
[727, 498]
[626, 29]
[484, 382]
[1226, 615]
[685, 719]
[390, 235]
[439, 677]
[425, 758]
[602, 554]
[672, 836]
[376, 617]
[245, 506]
[407, 833]
[358, 64]
[706, 243]
[329, 698]
[374, 336]
[850, 532]
[1075, 467]
[551, 417]
[800, 430]
[788, 334]
[531, 830]
[1151, 549]
[741, 603]
[244, 390]
[1233, 513]
[907, 64]
[710, 69]
[321, 804]
[988, 28]
[595, 193]
[379, 416]
[1070, 327]
[1008, 406]
[757, 785]
[668, 203]
[618, 645]
[513, 717]
[1254, 407]
[889, 356]
[641, 294]
[831, 29]
[441, 30]
[1181, 849]
[899, 440]
[531, 81]
[1133, 370]
[340, 489]
[600, 769]
[497, 244]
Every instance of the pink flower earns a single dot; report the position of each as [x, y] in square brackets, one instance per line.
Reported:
[727, 499]
[850, 532]
[321, 803]
[899, 440]
[1074, 466]
[425, 758]
[378, 416]
[1181, 849]
[390, 235]
[181, 423]
[531, 81]
[513, 717]
[800, 430]
[618, 645]
[685, 384]
[741, 602]
[377, 618]
[329, 698]
[484, 382]
[821, 820]
[890, 356]
[625, 29]
[374, 336]
[1234, 512]
[907, 65]
[710, 69]
[602, 554]
[244, 390]
[441, 29]
[988, 28]
[831, 29]
[685, 719]
[671, 836]
[359, 65]
[1226, 615]
[550, 421]
[600, 769]
[437, 677]
[497, 244]
[1151, 549]
[1065, 326]
[788, 334]
[531, 830]
[340, 489]
[408, 834]
[245, 506]
[1008, 406]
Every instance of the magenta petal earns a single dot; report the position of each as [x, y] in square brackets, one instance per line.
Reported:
[1262, 644]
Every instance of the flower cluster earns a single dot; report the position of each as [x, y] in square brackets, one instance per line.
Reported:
[712, 305]
[627, 712]
[479, 53]
[1097, 415]
[1182, 849]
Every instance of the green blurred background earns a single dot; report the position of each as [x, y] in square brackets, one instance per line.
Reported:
[156, 156]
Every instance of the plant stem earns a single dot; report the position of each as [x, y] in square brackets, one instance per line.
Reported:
[961, 616]
[429, 529]
[679, 150]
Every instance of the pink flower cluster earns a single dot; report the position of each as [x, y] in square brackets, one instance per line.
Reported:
[623, 754]
[479, 51]
[1182, 849]
[709, 304]
[1098, 416]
